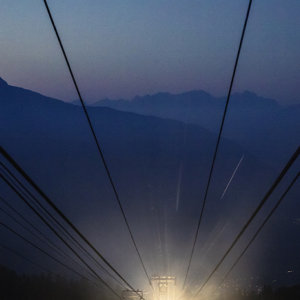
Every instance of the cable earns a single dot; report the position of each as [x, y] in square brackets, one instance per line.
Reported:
[47, 215]
[255, 212]
[43, 211]
[8, 249]
[41, 236]
[43, 239]
[43, 251]
[262, 226]
[59, 236]
[61, 214]
[218, 142]
[25, 258]
[61, 228]
[51, 244]
[97, 142]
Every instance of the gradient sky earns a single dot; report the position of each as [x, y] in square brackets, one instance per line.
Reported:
[119, 49]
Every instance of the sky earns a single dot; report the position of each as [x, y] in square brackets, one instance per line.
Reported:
[120, 49]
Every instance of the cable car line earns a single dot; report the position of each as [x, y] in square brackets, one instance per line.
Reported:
[42, 250]
[217, 144]
[292, 159]
[61, 228]
[262, 225]
[55, 232]
[24, 258]
[59, 236]
[97, 142]
[63, 216]
[43, 240]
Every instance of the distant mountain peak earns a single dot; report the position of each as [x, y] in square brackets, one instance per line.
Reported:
[3, 83]
[196, 93]
[248, 98]
[149, 96]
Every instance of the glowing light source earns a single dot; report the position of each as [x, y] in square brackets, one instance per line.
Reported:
[131, 295]
[163, 287]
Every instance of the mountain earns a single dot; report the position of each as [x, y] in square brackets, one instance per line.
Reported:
[160, 168]
[268, 130]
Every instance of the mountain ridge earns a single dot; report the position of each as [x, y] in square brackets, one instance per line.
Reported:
[159, 165]
[261, 125]
[254, 122]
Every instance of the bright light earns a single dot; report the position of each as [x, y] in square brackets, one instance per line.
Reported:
[164, 287]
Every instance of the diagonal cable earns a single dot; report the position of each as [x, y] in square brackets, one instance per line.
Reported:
[63, 216]
[42, 250]
[97, 143]
[217, 144]
[291, 161]
[51, 219]
[40, 238]
[8, 249]
[262, 225]
[59, 236]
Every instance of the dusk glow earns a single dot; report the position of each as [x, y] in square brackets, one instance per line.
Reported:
[120, 50]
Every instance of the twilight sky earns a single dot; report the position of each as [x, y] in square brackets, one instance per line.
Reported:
[119, 49]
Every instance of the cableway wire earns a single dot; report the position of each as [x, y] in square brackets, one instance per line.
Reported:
[63, 216]
[40, 235]
[43, 251]
[41, 238]
[97, 143]
[60, 227]
[262, 226]
[67, 234]
[217, 144]
[60, 237]
[8, 249]
[292, 159]
[36, 236]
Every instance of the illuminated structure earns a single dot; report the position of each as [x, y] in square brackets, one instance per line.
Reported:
[130, 295]
[163, 287]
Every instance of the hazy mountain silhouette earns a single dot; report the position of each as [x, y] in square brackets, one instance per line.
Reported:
[261, 125]
[160, 168]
